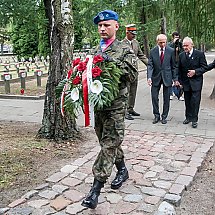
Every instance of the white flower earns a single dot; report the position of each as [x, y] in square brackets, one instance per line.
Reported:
[75, 94]
[96, 87]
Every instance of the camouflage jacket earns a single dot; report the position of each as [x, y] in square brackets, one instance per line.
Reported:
[125, 59]
[137, 50]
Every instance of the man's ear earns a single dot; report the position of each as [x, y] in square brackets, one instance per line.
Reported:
[117, 26]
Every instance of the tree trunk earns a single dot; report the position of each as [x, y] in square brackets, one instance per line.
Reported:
[1, 51]
[212, 96]
[59, 14]
[143, 19]
[163, 23]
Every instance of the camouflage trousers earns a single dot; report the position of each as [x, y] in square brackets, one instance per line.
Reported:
[110, 128]
[132, 92]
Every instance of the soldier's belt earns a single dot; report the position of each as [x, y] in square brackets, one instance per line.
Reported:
[123, 91]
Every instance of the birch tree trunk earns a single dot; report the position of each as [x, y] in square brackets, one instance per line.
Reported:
[61, 34]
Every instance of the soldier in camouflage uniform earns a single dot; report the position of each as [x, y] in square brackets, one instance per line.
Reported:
[130, 40]
[109, 123]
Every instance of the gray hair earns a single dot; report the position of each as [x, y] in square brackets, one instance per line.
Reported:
[188, 39]
[161, 36]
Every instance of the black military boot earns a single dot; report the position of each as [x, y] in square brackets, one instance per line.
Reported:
[121, 175]
[91, 199]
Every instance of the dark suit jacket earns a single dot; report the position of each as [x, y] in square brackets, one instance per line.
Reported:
[196, 62]
[165, 71]
[211, 66]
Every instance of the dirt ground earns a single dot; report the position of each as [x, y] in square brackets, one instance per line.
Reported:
[26, 161]
[200, 198]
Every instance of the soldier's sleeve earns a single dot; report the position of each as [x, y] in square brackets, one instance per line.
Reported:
[141, 56]
[211, 66]
[129, 64]
[202, 64]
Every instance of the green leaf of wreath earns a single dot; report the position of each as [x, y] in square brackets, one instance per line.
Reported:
[110, 79]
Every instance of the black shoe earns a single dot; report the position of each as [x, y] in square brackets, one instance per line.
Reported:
[128, 116]
[186, 121]
[133, 113]
[121, 176]
[91, 200]
[163, 121]
[194, 124]
[156, 120]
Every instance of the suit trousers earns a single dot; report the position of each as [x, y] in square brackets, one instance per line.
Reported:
[132, 92]
[192, 102]
[155, 100]
[110, 128]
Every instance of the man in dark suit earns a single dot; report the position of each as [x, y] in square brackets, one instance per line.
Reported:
[211, 66]
[161, 71]
[191, 66]
[130, 40]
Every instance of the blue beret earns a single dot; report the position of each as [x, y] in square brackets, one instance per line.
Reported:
[105, 15]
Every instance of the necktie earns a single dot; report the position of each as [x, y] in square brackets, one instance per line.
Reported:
[161, 56]
[188, 55]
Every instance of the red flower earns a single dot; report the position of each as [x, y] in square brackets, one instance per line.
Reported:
[76, 80]
[86, 60]
[69, 73]
[82, 66]
[22, 91]
[97, 59]
[76, 62]
[96, 72]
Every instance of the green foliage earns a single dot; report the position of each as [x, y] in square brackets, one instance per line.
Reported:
[60, 86]
[195, 18]
[24, 44]
[29, 27]
[43, 40]
[78, 26]
[110, 79]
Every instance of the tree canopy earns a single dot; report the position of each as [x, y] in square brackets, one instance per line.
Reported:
[194, 18]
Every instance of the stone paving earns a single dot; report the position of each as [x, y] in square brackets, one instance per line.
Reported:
[161, 167]
[162, 160]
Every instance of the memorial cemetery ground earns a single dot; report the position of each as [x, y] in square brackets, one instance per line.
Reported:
[23, 77]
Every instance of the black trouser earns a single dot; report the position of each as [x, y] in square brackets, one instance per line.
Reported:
[155, 100]
[192, 102]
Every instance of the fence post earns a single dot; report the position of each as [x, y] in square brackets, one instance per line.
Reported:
[22, 75]
[6, 77]
[38, 73]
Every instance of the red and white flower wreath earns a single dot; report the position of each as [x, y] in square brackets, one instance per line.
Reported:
[92, 82]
